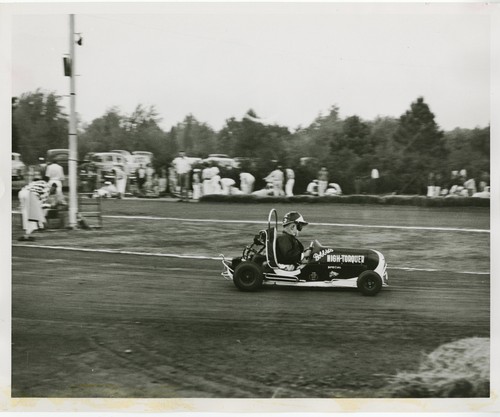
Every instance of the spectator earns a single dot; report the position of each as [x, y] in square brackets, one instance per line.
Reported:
[32, 199]
[276, 178]
[215, 185]
[322, 181]
[172, 180]
[333, 189]
[227, 184]
[91, 183]
[206, 176]
[470, 186]
[431, 181]
[246, 182]
[153, 186]
[183, 169]
[141, 179]
[265, 192]
[290, 181]
[55, 174]
[108, 190]
[483, 194]
[374, 179]
[197, 186]
[211, 181]
[162, 181]
[120, 181]
[55, 200]
[312, 188]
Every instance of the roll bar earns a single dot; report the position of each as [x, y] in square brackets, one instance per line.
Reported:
[271, 213]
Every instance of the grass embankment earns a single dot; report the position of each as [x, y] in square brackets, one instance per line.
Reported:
[406, 200]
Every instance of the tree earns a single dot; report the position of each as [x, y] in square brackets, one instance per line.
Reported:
[469, 149]
[420, 147]
[38, 124]
[250, 137]
[195, 138]
[103, 134]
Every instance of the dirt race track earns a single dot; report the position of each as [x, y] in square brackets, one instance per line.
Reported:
[100, 324]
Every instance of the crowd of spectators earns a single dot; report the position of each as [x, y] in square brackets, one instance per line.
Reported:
[186, 179]
[459, 184]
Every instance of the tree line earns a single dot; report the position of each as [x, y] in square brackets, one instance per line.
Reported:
[404, 150]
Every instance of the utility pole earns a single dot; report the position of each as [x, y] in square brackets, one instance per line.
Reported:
[73, 149]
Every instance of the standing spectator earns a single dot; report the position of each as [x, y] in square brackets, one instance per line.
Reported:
[162, 181]
[470, 186]
[183, 169]
[374, 178]
[227, 184]
[55, 174]
[150, 172]
[32, 199]
[215, 185]
[246, 182]
[276, 178]
[290, 181]
[172, 180]
[197, 186]
[206, 176]
[322, 181]
[141, 179]
[91, 179]
[120, 181]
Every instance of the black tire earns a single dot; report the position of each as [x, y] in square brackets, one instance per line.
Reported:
[248, 276]
[369, 283]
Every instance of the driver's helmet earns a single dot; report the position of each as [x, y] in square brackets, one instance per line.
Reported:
[294, 217]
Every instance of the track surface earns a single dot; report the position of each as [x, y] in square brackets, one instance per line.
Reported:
[110, 325]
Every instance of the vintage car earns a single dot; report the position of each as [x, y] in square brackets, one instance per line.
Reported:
[327, 267]
[18, 167]
[20, 172]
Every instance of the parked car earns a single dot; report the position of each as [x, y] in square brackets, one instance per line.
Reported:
[104, 162]
[18, 167]
[143, 157]
[221, 160]
[130, 164]
[19, 172]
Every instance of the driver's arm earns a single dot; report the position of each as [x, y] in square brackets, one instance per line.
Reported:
[306, 255]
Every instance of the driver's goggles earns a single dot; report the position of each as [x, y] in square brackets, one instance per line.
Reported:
[299, 226]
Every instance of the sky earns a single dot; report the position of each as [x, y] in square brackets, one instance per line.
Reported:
[289, 62]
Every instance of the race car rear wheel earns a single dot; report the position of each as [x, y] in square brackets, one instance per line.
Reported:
[248, 276]
[369, 283]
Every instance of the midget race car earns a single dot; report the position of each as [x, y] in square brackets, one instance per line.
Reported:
[326, 267]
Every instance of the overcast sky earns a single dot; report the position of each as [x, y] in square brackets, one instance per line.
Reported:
[287, 61]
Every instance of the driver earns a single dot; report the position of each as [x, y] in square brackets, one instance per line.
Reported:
[289, 251]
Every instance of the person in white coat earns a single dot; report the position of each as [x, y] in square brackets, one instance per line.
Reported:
[55, 174]
[276, 178]
[290, 181]
[246, 182]
[32, 200]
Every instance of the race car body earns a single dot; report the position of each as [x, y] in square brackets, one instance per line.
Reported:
[327, 267]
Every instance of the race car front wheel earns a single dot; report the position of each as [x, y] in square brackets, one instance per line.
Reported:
[248, 276]
[369, 283]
